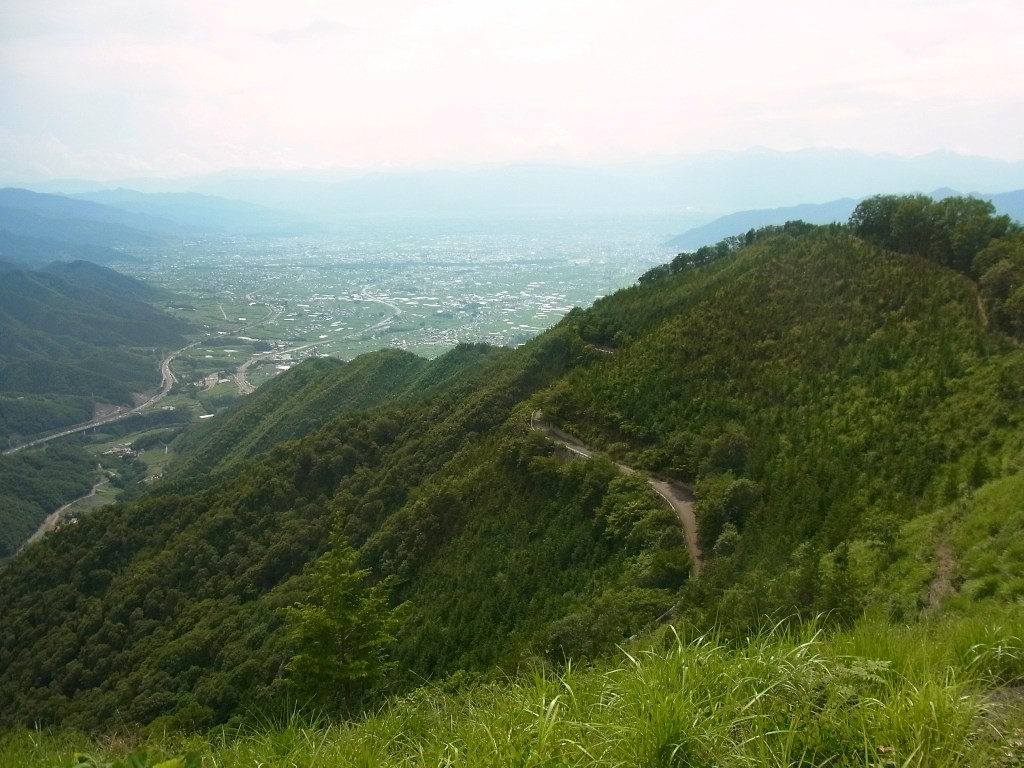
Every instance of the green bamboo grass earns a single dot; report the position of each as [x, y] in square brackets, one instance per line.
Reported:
[932, 694]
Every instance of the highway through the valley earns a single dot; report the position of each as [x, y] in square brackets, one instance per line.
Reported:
[168, 378]
[167, 381]
[241, 373]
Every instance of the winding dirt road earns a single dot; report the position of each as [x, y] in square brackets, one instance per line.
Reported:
[681, 499]
[677, 495]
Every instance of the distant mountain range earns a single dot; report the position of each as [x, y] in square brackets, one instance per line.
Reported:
[37, 228]
[698, 187]
[817, 185]
[1009, 203]
[57, 218]
[742, 221]
[201, 213]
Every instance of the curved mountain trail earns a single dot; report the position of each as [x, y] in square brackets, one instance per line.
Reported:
[681, 499]
[982, 312]
[677, 495]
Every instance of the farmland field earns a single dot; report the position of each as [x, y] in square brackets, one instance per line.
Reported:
[426, 291]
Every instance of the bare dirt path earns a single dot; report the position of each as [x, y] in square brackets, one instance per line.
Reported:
[677, 495]
[942, 586]
[981, 310]
[681, 499]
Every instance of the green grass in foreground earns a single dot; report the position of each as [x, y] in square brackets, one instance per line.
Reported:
[936, 694]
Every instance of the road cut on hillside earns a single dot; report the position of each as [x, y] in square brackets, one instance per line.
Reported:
[677, 495]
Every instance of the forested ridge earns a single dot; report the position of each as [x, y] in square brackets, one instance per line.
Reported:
[845, 400]
[73, 336]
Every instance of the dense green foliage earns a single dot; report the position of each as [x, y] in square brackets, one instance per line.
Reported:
[340, 639]
[999, 268]
[533, 554]
[950, 232]
[305, 398]
[35, 483]
[844, 400]
[709, 253]
[961, 233]
[171, 605]
[819, 393]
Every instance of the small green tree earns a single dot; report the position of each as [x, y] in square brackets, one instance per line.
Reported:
[341, 637]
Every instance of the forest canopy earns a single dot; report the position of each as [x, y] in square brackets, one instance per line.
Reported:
[846, 402]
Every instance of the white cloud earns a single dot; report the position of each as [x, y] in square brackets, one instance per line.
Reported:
[121, 85]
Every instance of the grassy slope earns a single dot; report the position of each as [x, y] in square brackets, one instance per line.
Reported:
[874, 695]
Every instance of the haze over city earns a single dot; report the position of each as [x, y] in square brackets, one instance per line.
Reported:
[113, 89]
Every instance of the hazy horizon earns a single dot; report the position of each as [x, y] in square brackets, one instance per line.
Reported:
[670, 196]
[111, 90]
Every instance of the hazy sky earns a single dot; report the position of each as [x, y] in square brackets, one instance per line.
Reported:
[115, 88]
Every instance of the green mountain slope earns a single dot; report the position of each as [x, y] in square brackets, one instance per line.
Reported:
[231, 554]
[844, 400]
[860, 388]
[81, 330]
[307, 397]
[72, 335]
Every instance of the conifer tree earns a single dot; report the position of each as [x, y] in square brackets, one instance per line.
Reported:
[340, 638]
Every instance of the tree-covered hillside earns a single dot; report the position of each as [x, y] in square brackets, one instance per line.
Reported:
[305, 398]
[859, 389]
[845, 401]
[73, 337]
[73, 334]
